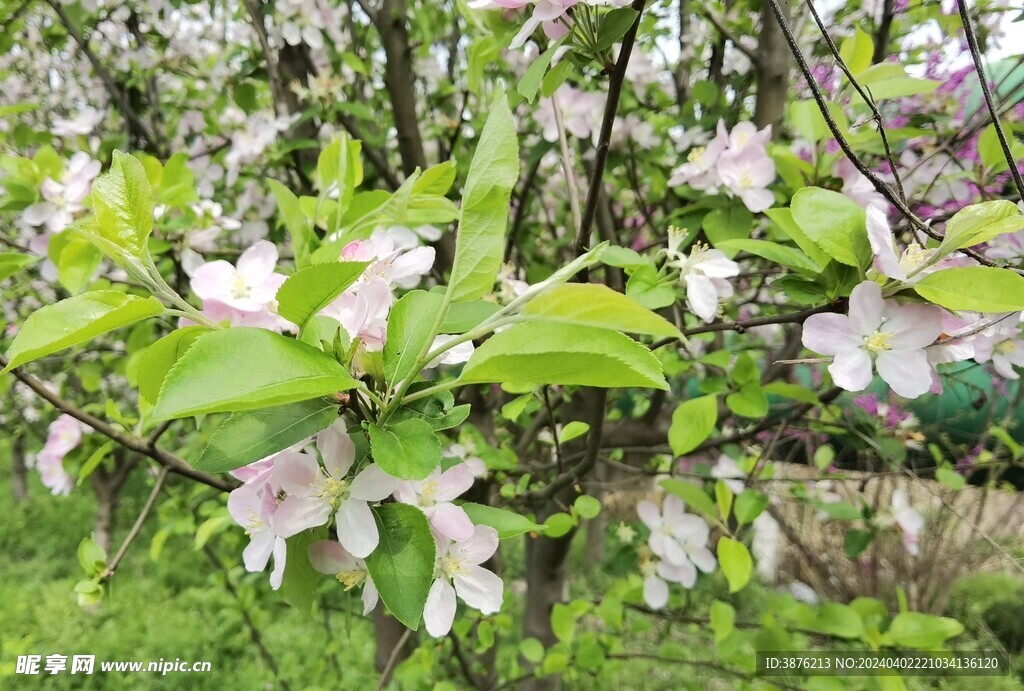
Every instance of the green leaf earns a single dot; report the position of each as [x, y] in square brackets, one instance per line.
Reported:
[919, 631]
[92, 557]
[789, 257]
[407, 449]
[552, 353]
[888, 80]
[93, 462]
[857, 51]
[572, 430]
[749, 401]
[834, 222]
[559, 524]
[784, 224]
[294, 221]
[507, 523]
[732, 223]
[300, 580]
[249, 436]
[13, 262]
[649, 289]
[563, 622]
[614, 26]
[555, 77]
[402, 566]
[226, 371]
[158, 359]
[692, 422]
[856, 541]
[594, 304]
[736, 563]
[980, 223]
[436, 180]
[77, 320]
[480, 243]
[532, 650]
[723, 619]
[122, 201]
[749, 505]
[974, 288]
[950, 478]
[838, 620]
[463, 316]
[409, 333]
[693, 495]
[309, 290]
[586, 507]
[807, 120]
[529, 84]
[723, 497]
[76, 259]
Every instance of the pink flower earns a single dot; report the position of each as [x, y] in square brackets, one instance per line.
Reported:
[434, 496]
[699, 171]
[363, 312]
[64, 435]
[62, 200]
[891, 335]
[857, 187]
[460, 573]
[249, 287]
[255, 511]
[329, 557]
[1001, 345]
[396, 262]
[315, 493]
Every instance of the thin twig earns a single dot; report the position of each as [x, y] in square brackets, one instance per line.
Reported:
[972, 43]
[570, 174]
[137, 527]
[615, 82]
[385, 675]
[864, 94]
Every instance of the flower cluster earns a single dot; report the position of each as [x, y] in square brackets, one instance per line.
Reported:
[293, 491]
[245, 294]
[735, 161]
[552, 15]
[61, 200]
[676, 549]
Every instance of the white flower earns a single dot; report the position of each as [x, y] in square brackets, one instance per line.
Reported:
[459, 573]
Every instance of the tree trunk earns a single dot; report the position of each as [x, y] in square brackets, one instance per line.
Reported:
[389, 633]
[19, 473]
[772, 70]
[545, 585]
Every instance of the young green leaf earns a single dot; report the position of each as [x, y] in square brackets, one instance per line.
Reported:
[484, 215]
[122, 203]
[409, 332]
[834, 222]
[295, 221]
[974, 288]
[226, 371]
[553, 353]
[158, 359]
[13, 262]
[402, 566]
[980, 223]
[249, 436]
[407, 449]
[507, 523]
[593, 304]
[736, 563]
[309, 290]
[692, 422]
[300, 580]
[76, 320]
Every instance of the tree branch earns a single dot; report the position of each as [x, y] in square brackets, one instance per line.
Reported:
[972, 43]
[134, 532]
[174, 463]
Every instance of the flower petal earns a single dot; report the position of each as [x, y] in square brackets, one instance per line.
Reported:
[480, 589]
[439, 609]
[357, 530]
